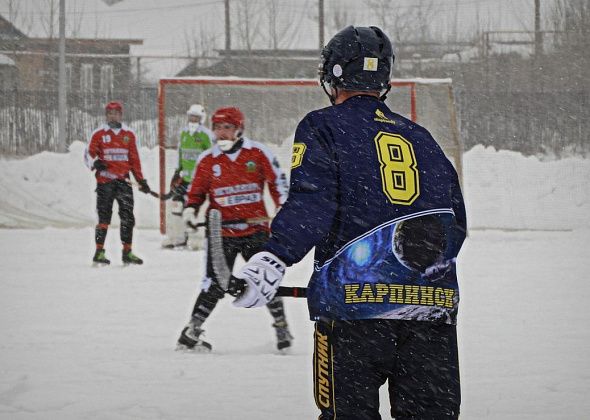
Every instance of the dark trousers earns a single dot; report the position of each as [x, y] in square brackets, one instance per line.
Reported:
[353, 359]
[121, 192]
[247, 246]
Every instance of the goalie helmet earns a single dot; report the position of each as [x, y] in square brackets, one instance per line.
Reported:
[197, 110]
[357, 58]
[114, 105]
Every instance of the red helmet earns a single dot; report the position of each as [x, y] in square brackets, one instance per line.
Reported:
[114, 105]
[230, 115]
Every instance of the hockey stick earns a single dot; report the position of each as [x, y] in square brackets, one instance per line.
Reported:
[220, 268]
[250, 221]
[166, 196]
[226, 280]
[150, 192]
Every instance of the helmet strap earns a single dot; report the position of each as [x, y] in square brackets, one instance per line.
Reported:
[238, 143]
[332, 97]
[383, 97]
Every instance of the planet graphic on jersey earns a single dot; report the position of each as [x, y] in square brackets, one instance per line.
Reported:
[420, 242]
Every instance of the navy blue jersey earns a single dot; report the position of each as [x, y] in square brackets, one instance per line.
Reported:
[377, 197]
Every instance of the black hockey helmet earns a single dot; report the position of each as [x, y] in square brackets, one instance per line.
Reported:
[358, 58]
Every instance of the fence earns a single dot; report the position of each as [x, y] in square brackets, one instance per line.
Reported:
[28, 119]
[552, 122]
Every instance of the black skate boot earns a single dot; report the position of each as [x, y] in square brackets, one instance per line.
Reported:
[100, 258]
[284, 337]
[189, 340]
[130, 258]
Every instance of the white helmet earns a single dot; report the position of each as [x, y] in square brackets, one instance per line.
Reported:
[197, 110]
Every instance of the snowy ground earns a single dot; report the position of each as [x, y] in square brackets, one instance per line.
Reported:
[84, 343]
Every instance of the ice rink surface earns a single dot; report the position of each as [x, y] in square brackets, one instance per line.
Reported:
[78, 342]
[98, 343]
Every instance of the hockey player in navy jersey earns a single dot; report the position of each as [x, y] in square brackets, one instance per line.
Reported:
[375, 195]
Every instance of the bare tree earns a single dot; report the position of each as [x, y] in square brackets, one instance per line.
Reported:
[199, 44]
[75, 18]
[19, 15]
[280, 27]
[409, 22]
[338, 16]
[49, 19]
[248, 23]
[572, 17]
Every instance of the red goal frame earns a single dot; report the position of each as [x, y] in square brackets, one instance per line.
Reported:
[164, 82]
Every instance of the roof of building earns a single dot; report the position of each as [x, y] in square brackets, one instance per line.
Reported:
[9, 31]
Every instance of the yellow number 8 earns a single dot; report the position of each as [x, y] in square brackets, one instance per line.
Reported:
[399, 175]
[297, 156]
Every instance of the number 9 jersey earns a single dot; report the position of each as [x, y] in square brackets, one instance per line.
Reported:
[381, 203]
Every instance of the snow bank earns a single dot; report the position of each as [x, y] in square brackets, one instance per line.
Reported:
[506, 190]
[502, 189]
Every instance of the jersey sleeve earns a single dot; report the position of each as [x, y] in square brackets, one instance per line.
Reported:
[275, 177]
[308, 214]
[93, 147]
[134, 161]
[459, 232]
[197, 192]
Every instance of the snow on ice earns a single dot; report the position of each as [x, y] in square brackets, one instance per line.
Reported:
[85, 343]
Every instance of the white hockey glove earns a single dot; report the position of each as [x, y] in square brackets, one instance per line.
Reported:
[189, 216]
[263, 274]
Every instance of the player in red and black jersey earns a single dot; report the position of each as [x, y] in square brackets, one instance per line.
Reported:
[112, 154]
[232, 174]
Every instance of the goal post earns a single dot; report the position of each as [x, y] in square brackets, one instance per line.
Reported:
[273, 108]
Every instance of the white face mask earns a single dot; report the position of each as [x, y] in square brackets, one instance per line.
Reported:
[225, 145]
[193, 126]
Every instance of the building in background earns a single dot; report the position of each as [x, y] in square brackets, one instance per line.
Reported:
[97, 70]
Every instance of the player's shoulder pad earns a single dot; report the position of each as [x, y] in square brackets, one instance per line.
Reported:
[98, 130]
[125, 127]
[266, 151]
[207, 131]
[205, 154]
[251, 144]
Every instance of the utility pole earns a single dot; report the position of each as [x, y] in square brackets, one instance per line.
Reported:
[61, 83]
[227, 28]
[538, 33]
[321, 22]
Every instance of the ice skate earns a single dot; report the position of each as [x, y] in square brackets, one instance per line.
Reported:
[189, 340]
[130, 258]
[100, 259]
[172, 243]
[284, 337]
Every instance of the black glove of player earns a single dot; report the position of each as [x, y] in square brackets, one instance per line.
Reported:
[99, 165]
[177, 184]
[176, 179]
[144, 187]
[236, 286]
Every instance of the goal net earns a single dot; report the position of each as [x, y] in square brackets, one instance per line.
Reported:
[274, 107]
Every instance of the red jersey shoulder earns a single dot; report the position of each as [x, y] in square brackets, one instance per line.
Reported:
[106, 135]
[206, 159]
[127, 135]
[262, 152]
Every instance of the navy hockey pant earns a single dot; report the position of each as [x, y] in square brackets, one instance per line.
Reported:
[418, 359]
